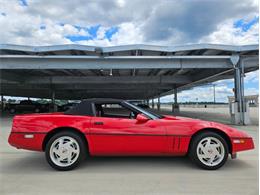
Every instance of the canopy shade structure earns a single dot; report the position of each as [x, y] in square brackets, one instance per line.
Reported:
[125, 72]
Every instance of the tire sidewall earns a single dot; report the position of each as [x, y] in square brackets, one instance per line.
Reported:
[193, 150]
[81, 144]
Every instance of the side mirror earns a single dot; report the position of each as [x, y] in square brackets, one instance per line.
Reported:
[141, 118]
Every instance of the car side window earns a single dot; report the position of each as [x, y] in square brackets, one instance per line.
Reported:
[113, 110]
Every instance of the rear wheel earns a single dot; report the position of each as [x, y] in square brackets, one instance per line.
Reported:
[65, 150]
[209, 150]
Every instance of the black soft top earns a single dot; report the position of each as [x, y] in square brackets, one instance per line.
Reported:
[86, 107]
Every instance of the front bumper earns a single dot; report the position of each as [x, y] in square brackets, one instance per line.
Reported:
[241, 144]
[28, 141]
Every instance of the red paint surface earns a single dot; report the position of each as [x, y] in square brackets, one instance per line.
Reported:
[247, 145]
[168, 136]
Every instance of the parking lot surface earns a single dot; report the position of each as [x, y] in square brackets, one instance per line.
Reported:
[25, 172]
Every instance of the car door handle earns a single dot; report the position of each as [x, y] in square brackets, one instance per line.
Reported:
[98, 123]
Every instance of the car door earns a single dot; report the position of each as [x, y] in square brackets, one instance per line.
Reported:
[124, 136]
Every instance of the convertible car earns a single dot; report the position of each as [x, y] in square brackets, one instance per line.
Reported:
[110, 127]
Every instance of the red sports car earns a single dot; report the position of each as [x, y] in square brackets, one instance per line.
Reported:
[105, 127]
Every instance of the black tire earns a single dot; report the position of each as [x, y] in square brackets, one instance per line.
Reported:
[193, 150]
[82, 152]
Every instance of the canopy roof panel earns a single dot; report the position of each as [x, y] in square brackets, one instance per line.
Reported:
[128, 72]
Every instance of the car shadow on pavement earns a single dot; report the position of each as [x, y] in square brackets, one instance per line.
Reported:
[36, 163]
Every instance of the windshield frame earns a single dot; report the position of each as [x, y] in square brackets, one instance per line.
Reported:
[147, 113]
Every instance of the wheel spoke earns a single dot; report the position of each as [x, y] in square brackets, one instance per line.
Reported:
[217, 153]
[216, 145]
[211, 159]
[204, 150]
[60, 143]
[69, 156]
[204, 155]
[56, 151]
[68, 144]
[208, 142]
[74, 150]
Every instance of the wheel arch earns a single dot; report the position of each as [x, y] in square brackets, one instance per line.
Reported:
[60, 129]
[214, 130]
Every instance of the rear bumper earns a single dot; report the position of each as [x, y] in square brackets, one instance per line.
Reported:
[241, 144]
[28, 141]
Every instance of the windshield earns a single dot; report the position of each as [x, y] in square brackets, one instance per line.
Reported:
[149, 113]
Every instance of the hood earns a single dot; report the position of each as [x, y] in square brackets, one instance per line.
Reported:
[170, 117]
[197, 124]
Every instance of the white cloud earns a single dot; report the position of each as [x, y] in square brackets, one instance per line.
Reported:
[226, 33]
[138, 21]
[156, 22]
[252, 77]
[121, 3]
[251, 91]
[127, 33]
[101, 32]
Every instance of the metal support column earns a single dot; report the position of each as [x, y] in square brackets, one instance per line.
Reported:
[2, 103]
[238, 93]
[53, 101]
[153, 103]
[243, 102]
[175, 96]
[175, 105]
[238, 107]
[214, 93]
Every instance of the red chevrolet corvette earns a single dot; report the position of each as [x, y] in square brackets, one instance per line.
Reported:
[104, 127]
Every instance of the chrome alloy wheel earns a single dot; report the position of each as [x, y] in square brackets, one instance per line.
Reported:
[210, 151]
[64, 151]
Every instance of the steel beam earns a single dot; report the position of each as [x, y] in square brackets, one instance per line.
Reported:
[9, 76]
[112, 62]
[87, 86]
[109, 79]
[79, 94]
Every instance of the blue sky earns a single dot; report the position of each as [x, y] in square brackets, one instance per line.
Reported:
[23, 2]
[246, 25]
[121, 22]
[92, 33]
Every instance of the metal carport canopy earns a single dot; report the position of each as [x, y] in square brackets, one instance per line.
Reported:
[128, 72]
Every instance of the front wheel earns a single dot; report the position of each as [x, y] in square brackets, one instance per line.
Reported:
[65, 150]
[209, 150]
